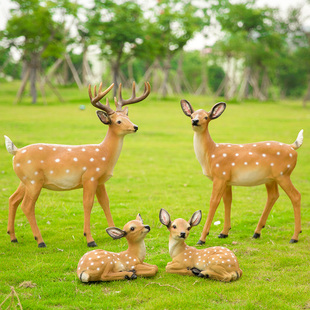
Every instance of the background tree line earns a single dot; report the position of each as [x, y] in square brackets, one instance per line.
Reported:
[258, 53]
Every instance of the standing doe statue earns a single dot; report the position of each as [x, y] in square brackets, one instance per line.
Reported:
[216, 263]
[101, 265]
[66, 167]
[270, 163]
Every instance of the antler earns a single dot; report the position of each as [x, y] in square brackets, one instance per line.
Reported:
[121, 102]
[95, 101]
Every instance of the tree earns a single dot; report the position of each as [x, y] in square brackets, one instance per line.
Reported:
[33, 30]
[117, 29]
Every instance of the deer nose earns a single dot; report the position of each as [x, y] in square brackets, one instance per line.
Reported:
[147, 227]
[135, 127]
[195, 122]
[182, 235]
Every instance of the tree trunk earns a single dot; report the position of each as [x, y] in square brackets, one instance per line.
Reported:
[307, 97]
[164, 87]
[34, 66]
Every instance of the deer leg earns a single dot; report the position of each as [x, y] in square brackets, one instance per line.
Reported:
[217, 193]
[28, 207]
[103, 200]
[227, 199]
[89, 189]
[14, 202]
[146, 270]
[178, 269]
[295, 198]
[122, 275]
[273, 195]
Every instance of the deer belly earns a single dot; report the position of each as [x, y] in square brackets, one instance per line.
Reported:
[64, 182]
[249, 178]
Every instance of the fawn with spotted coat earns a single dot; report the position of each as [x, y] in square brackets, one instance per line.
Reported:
[216, 263]
[101, 265]
[66, 167]
[270, 163]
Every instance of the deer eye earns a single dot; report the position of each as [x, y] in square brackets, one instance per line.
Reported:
[118, 122]
[174, 226]
[206, 117]
[132, 228]
[188, 228]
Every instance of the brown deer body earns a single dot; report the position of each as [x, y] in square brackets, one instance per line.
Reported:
[216, 263]
[66, 167]
[270, 163]
[101, 265]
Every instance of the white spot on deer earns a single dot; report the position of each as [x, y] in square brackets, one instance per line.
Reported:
[69, 150]
[288, 166]
[90, 258]
[97, 150]
[232, 164]
[91, 159]
[280, 143]
[264, 155]
[217, 145]
[24, 151]
[254, 145]
[281, 173]
[103, 158]
[75, 159]
[36, 173]
[268, 143]
[272, 164]
[32, 181]
[224, 154]
[224, 172]
[29, 161]
[54, 149]
[51, 172]
[92, 179]
[40, 148]
[250, 153]
[98, 268]
[229, 145]
[102, 262]
[84, 169]
[217, 165]
[257, 163]
[17, 165]
[42, 161]
[91, 263]
[57, 160]
[245, 163]
[212, 155]
[278, 153]
[97, 169]
[236, 154]
[291, 155]
[185, 259]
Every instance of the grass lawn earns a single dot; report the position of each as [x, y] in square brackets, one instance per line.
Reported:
[157, 169]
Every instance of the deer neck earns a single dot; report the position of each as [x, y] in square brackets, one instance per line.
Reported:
[176, 247]
[204, 146]
[138, 249]
[113, 143]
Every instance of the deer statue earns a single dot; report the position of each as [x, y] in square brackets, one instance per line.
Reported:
[225, 164]
[101, 265]
[66, 167]
[216, 263]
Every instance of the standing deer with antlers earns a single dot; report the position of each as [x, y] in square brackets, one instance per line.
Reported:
[66, 167]
[270, 163]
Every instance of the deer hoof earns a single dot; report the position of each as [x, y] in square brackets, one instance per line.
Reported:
[196, 271]
[293, 241]
[222, 236]
[256, 236]
[14, 241]
[92, 244]
[42, 245]
[200, 242]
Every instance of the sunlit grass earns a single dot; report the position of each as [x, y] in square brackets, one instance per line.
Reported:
[157, 169]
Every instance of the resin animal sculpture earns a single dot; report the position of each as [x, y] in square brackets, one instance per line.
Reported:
[66, 167]
[101, 265]
[216, 263]
[226, 164]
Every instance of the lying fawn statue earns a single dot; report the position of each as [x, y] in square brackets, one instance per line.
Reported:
[101, 265]
[216, 263]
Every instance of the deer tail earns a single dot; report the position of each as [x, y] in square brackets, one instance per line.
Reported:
[12, 149]
[297, 144]
[235, 275]
[84, 277]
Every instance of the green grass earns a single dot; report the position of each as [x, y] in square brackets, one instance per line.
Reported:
[157, 169]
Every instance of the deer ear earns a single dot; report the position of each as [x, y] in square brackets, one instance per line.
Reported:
[217, 110]
[195, 219]
[125, 110]
[115, 232]
[104, 117]
[164, 217]
[186, 107]
[139, 218]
